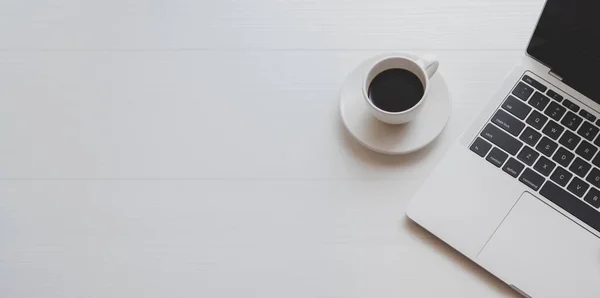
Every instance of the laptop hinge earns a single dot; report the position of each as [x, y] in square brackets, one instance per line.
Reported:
[555, 75]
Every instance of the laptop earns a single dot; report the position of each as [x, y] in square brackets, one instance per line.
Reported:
[519, 192]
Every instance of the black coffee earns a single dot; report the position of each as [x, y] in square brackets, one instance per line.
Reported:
[396, 90]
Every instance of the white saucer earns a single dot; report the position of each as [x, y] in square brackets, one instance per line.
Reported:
[393, 139]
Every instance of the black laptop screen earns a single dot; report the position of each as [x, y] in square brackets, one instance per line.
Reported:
[567, 39]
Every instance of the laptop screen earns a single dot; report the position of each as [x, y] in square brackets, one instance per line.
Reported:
[567, 39]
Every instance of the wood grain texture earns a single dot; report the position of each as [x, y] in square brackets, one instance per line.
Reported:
[224, 239]
[268, 24]
[209, 115]
[194, 148]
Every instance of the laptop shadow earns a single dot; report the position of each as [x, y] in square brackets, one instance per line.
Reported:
[465, 263]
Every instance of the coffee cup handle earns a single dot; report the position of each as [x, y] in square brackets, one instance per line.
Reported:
[429, 63]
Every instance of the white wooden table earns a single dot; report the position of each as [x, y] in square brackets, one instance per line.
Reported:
[194, 148]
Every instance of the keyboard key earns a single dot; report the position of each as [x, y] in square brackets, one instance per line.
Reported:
[530, 136]
[571, 204]
[522, 91]
[588, 131]
[553, 130]
[598, 122]
[578, 187]
[596, 160]
[536, 120]
[481, 147]
[508, 122]
[537, 85]
[561, 176]
[497, 157]
[501, 139]
[572, 121]
[513, 167]
[555, 111]
[593, 197]
[539, 101]
[544, 166]
[587, 115]
[531, 179]
[546, 146]
[597, 141]
[516, 107]
[580, 167]
[563, 157]
[569, 140]
[594, 177]
[554, 95]
[528, 155]
[570, 105]
[586, 150]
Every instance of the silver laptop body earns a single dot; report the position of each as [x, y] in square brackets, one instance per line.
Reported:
[519, 192]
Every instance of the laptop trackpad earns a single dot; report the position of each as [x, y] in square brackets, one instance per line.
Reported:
[544, 253]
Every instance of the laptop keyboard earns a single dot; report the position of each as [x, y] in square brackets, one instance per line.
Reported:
[550, 144]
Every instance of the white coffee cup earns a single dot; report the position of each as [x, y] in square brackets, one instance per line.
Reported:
[423, 67]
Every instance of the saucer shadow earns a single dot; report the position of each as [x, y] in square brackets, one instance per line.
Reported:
[377, 159]
[465, 263]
